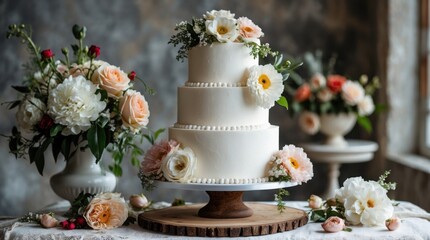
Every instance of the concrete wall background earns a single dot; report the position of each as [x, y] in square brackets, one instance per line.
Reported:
[134, 34]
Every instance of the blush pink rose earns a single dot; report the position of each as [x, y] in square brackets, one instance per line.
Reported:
[112, 79]
[48, 221]
[335, 83]
[151, 163]
[134, 110]
[303, 93]
[393, 223]
[248, 29]
[333, 224]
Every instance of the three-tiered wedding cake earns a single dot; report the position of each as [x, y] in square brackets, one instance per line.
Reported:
[219, 118]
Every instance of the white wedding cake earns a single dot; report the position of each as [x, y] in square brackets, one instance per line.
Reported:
[219, 119]
[222, 134]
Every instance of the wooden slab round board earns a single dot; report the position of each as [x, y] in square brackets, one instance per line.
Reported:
[184, 221]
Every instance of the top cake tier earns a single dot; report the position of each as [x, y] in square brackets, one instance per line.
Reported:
[218, 64]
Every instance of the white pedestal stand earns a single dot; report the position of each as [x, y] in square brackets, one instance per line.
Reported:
[355, 151]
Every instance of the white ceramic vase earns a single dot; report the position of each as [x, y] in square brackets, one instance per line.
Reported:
[336, 126]
[82, 174]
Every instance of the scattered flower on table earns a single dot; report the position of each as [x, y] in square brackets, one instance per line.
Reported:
[139, 201]
[315, 202]
[333, 224]
[48, 221]
[393, 223]
[76, 98]
[360, 202]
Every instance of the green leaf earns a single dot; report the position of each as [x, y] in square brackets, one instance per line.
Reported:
[116, 170]
[14, 104]
[21, 89]
[97, 140]
[55, 130]
[365, 123]
[282, 101]
[318, 216]
[56, 147]
[158, 132]
[65, 148]
[37, 155]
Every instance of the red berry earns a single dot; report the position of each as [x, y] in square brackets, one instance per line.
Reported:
[132, 75]
[71, 226]
[64, 224]
[80, 221]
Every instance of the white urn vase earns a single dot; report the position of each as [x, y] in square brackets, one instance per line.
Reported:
[336, 126]
[82, 174]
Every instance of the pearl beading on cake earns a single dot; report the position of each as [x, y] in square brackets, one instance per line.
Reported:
[228, 180]
[213, 84]
[222, 128]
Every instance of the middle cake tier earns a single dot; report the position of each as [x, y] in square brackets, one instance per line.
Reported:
[240, 156]
[219, 107]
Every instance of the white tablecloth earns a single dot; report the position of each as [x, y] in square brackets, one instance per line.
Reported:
[412, 228]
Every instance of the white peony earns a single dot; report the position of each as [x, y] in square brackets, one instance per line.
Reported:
[265, 84]
[218, 13]
[365, 202]
[224, 29]
[352, 92]
[75, 104]
[309, 122]
[179, 166]
[30, 112]
[366, 106]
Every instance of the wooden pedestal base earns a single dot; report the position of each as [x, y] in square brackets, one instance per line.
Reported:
[225, 205]
[185, 221]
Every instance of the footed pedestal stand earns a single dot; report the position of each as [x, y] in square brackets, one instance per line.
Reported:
[225, 215]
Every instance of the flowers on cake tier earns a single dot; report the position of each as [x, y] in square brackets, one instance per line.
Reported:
[290, 164]
[323, 92]
[357, 202]
[66, 101]
[265, 82]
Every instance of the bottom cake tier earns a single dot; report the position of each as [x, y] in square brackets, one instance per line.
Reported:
[229, 157]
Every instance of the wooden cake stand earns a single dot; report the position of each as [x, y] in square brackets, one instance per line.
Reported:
[225, 215]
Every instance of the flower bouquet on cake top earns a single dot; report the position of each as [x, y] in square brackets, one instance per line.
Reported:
[75, 103]
[330, 102]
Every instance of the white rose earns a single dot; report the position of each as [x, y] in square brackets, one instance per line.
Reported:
[178, 166]
[324, 95]
[352, 92]
[220, 13]
[224, 29]
[366, 106]
[317, 81]
[75, 104]
[309, 122]
[30, 112]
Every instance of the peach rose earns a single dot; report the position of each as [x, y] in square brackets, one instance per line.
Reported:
[134, 110]
[309, 122]
[333, 224]
[48, 221]
[315, 202]
[106, 211]
[335, 83]
[112, 79]
[303, 93]
[317, 81]
[324, 95]
[393, 223]
[248, 29]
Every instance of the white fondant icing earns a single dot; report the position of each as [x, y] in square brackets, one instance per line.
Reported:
[219, 107]
[220, 62]
[222, 128]
[229, 154]
[218, 84]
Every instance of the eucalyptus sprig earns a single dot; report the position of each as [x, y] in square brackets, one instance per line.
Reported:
[279, 198]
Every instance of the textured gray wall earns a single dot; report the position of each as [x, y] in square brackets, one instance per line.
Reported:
[134, 35]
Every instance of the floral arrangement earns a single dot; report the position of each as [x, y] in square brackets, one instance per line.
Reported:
[76, 100]
[265, 81]
[356, 202]
[166, 160]
[327, 93]
[289, 164]
[101, 211]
